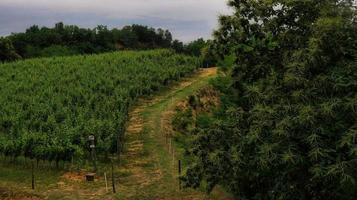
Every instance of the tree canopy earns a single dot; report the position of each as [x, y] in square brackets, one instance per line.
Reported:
[287, 127]
[7, 50]
[64, 40]
[70, 39]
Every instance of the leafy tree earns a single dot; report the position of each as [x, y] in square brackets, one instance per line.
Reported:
[104, 39]
[287, 127]
[7, 50]
[166, 39]
[194, 48]
[126, 37]
[209, 55]
[178, 46]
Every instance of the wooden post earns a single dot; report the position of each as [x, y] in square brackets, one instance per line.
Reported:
[91, 139]
[179, 172]
[71, 163]
[32, 176]
[106, 181]
[93, 154]
[113, 181]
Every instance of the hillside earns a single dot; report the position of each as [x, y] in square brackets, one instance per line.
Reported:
[148, 166]
[49, 107]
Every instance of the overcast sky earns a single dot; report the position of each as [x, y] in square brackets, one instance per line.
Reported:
[186, 19]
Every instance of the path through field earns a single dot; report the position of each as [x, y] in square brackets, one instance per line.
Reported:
[149, 162]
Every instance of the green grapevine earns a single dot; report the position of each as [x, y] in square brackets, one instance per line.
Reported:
[49, 106]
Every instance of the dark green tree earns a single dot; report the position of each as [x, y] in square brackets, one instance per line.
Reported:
[7, 51]
[178, 46]
[70, 39]
[195, 47]
[287, 128]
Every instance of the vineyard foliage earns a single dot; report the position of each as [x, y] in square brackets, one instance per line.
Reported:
[49, 107]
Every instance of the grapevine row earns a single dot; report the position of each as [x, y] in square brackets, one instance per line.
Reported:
[49, 107]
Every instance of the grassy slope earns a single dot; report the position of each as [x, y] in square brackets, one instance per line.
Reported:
[148, 170]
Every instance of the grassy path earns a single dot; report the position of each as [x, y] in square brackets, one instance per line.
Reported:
[150, 163]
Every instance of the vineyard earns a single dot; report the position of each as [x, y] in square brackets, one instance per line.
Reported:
[49, 107]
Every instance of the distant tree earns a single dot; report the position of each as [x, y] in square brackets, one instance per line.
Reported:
[59, 27]
[127, 37]
[209, 55]
[67, 39]
[194, 48]
[104, 39]
[146, 35]
[19, 41]
[178, 46]
[160, 37]
[7, 50]
[33, 29]
[167, 39]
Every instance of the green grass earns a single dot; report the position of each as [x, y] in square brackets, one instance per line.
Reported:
[169, 100]
[155, 142]
[18, 178]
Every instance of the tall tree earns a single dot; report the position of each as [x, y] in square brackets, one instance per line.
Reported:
[287, 128]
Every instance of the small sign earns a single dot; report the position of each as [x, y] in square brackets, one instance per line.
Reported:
[92, 146]
[91, 137]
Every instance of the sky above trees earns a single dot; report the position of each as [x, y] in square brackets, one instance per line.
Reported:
[186, 19]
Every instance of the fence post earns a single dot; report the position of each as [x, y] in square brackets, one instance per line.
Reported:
[179, 172]
[106, 182]
[32, 175]
[113, 181]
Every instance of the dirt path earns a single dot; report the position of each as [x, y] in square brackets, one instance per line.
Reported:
[150, 163]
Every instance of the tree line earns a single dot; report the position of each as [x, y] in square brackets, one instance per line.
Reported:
[64, 40]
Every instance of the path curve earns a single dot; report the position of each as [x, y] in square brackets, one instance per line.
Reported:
[150, 163]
